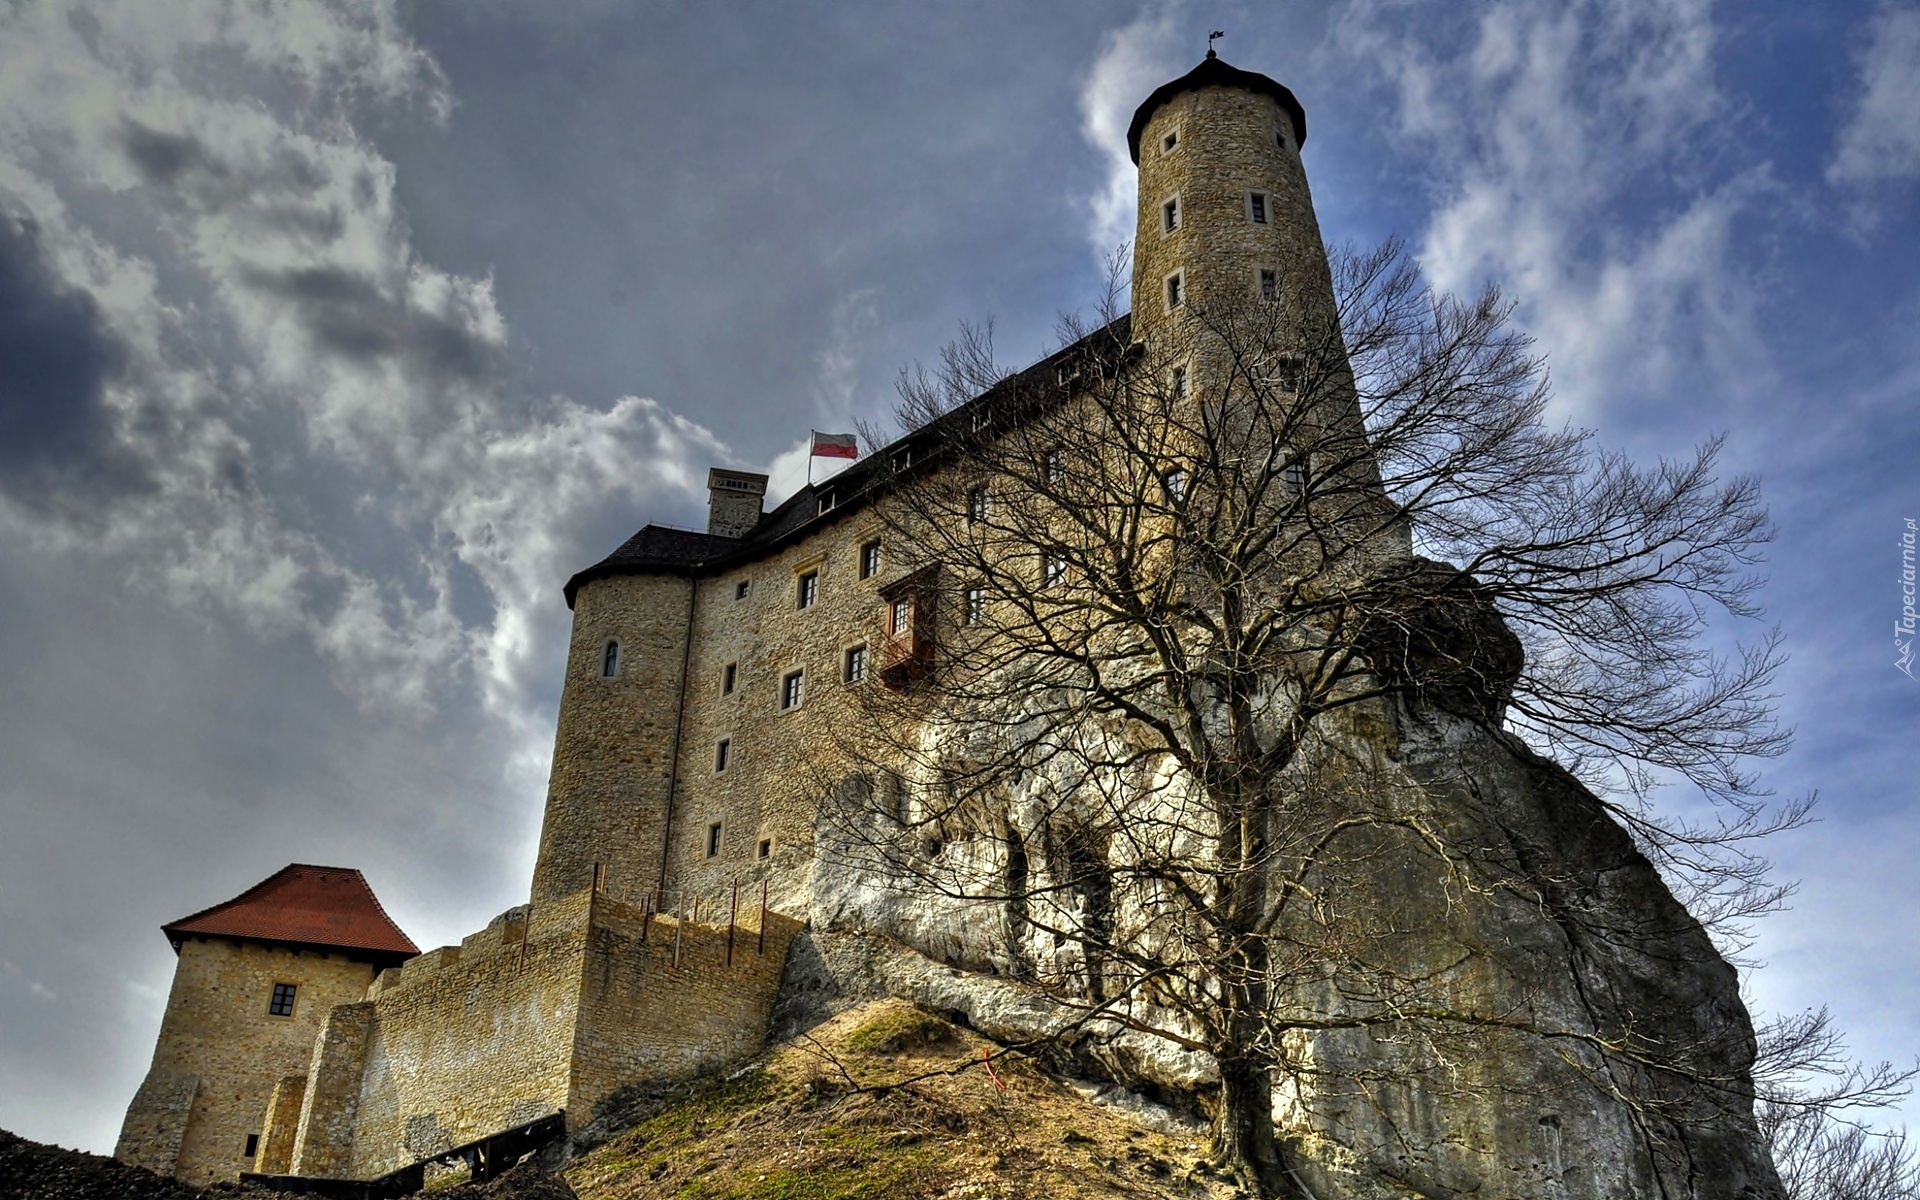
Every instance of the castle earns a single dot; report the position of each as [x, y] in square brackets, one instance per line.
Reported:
[705, 679]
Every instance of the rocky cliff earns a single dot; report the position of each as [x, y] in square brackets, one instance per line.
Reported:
[1491, 993]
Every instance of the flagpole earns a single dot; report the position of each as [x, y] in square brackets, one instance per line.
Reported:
[810, 435]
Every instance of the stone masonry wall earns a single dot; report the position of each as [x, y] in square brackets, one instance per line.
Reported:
[324, 1144]
[468, 1040]
[777, 760]
[283, 1125]
[606, 798]
[662, 1001]
[217, 1029]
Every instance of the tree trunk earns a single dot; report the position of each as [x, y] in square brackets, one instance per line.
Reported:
[1243, 1141]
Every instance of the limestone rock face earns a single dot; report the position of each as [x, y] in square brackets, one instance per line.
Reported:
[1510, 1002]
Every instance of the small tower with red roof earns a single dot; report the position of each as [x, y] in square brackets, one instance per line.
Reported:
[255, 979]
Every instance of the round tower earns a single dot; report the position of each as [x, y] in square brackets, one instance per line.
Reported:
[1224, 212]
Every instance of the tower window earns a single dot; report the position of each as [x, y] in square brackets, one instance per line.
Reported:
[765, 849]
[722, 751]
[1056, 465]
[793, 689]
[869, 560]
[282, 1003]
[1169, 142]
[1180, 383]
[976, 609]
[729, 678]
[1170, 215]
[1257, 207]
[1294, 474]
[610, 660]
[806, 590]
[713, 840]
[1053, 570]
[1289, 375]
[253, 1145]
[1176, 290]
[899, 615]
[854, 668]
[1280, 140]
[1269, 284]
[977, 507]
[1174, 483]
[740, 589]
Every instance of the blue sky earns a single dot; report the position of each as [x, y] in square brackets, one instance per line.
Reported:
[333, 339]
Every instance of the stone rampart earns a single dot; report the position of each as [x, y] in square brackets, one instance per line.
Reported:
[552, 1007]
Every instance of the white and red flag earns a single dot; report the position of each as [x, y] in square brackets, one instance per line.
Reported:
[835, 445]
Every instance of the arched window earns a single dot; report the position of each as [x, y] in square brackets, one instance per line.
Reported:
[610, 661]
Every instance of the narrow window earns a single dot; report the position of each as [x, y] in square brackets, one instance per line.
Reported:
[1280, 140]
[1168, 142]
[253, 1145]
[1294, 474]
[869, 560]
[729, 678]
[1175, 296]
[828, 499]
[1170, 215]
[713, 840]
[1269, 284]
[740, 589]
[793, 689]
[721, 751]
[899, 615]
[977, 505]
[981, 419]
[976, 610]
[1289, 375]
[903, 460]
[764, 849]
[610, 660]
[807, 590]
[854, 669]
[1053, 569]
[1257, 207]
[1180, 383]
[282, 1003]
[1056, 465]
[1175, 484]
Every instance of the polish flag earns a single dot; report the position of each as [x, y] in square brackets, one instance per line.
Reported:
[835, 445]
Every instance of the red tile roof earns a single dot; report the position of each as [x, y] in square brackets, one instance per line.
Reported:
[322, 908]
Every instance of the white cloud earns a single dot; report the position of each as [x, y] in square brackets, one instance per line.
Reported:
[1880, 141]
[197, 169]
[1133, 60]
[1573, 152]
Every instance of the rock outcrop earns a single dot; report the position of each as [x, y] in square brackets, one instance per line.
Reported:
[1499, 995]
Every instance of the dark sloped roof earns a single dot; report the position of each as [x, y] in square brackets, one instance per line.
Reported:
[1213, 71]
[663, 550]
[308, 907]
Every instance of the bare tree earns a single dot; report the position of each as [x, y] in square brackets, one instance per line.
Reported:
[1813, 1105]
[1169, 614]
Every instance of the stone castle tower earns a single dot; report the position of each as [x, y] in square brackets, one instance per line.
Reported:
[705, 677]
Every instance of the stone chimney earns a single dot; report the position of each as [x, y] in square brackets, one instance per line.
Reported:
[733, 501]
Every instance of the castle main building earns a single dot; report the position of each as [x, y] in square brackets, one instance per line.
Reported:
[704, 676]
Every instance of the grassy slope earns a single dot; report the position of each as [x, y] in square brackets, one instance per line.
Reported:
[800, 1127]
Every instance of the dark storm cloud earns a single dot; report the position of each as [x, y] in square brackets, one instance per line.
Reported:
[276, 190]
[162, 158]
[350, 316]
[56, 359]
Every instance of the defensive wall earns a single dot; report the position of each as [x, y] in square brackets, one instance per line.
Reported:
[550, 1009]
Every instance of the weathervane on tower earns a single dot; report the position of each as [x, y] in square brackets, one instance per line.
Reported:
[1218, 33]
